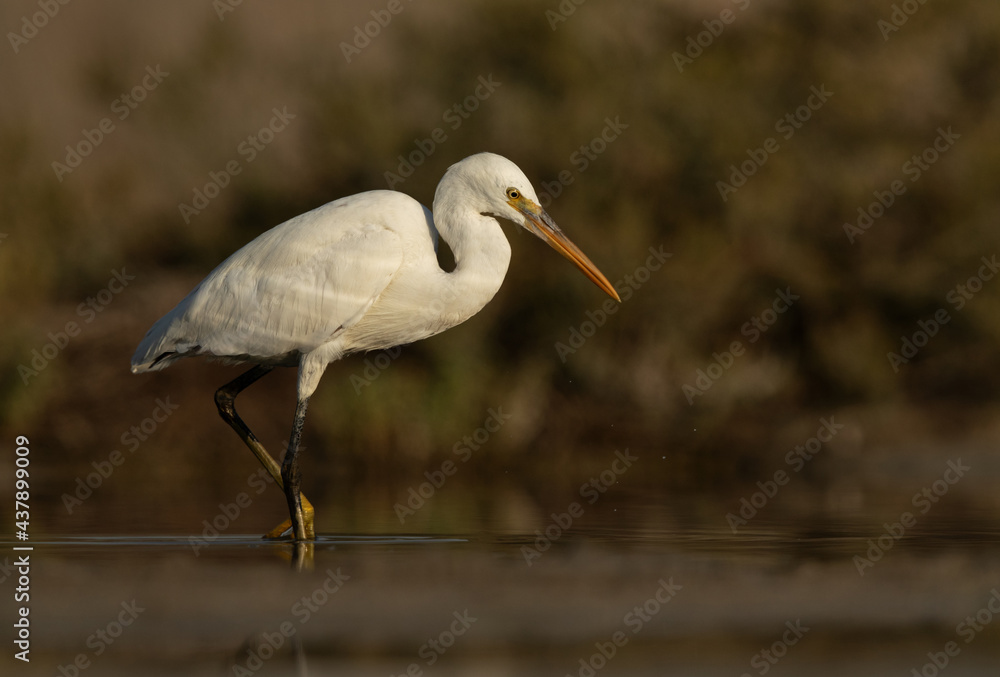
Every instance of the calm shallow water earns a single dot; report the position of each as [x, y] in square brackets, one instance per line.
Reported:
[700, 602]
[645, 581]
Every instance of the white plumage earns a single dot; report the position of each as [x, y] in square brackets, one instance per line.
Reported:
[359, 273]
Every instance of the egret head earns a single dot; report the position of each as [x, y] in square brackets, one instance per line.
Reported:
[495, 186]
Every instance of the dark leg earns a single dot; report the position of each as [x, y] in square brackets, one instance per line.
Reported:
[292, 476]
[225, 400]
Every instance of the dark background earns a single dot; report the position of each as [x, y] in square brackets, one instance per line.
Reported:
[800, 475]
[679, 132]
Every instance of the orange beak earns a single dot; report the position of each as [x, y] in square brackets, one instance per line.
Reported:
[541, 224]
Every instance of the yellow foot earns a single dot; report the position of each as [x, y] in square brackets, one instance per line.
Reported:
[286, 527]
[278, 531]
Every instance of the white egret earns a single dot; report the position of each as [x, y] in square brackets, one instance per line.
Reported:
[359, 273]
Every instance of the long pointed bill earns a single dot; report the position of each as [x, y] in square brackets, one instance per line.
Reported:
[542, 225]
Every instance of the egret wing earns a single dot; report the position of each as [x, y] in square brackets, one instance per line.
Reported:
[289, 291]
[297, 296]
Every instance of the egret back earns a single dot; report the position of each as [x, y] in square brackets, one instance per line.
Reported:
[294, 288]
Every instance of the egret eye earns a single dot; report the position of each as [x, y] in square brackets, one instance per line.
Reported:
[513, 193]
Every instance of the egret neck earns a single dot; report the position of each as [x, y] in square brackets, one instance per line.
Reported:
[481, 252]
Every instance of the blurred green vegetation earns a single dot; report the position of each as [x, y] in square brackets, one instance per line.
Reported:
[655, 185]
